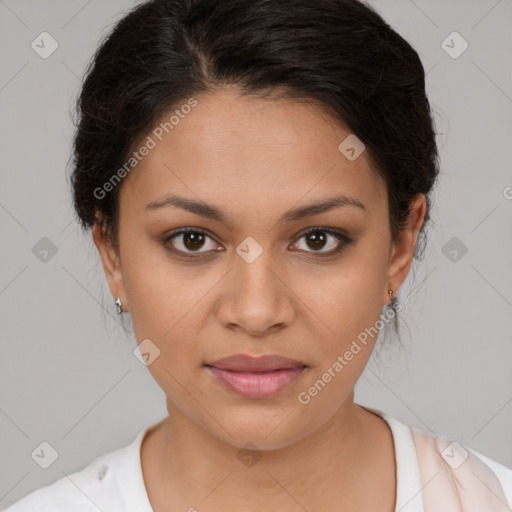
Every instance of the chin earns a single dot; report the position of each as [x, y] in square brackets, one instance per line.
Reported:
[266, 428]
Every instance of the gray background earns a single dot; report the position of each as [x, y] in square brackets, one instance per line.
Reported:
[67, 372]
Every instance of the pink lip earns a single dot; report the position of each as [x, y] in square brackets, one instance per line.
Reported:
[259, 377]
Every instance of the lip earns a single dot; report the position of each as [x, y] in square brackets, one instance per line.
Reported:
[264, 363]
[256, 377]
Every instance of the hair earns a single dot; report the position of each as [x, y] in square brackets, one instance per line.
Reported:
[338, 54]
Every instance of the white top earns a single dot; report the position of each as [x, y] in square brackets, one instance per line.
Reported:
[113, 482]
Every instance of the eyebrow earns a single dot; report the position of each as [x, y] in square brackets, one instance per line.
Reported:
[212, 212]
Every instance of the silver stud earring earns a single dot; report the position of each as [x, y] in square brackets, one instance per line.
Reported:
[394, 302]
[119, 306]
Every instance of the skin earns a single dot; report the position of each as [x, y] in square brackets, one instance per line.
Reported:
[255, 159]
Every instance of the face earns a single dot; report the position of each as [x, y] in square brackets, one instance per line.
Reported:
[250, 277]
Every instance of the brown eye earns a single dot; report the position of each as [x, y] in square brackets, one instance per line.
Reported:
[188, 241]
[193, 241]
[317, 239]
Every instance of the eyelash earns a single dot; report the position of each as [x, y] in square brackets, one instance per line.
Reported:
[336, 234]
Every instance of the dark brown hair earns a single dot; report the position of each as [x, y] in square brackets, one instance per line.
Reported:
[340, 54]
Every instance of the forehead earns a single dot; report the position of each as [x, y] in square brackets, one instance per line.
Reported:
[252, 153]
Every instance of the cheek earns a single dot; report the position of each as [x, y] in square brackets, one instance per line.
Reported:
[153, 287]
[350, 298]
[350, 311]
[169, 305]
[164, 308]
[351, 308]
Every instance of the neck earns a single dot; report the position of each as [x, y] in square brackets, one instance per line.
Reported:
[188, 466]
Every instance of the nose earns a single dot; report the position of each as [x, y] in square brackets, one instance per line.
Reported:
[255, 297]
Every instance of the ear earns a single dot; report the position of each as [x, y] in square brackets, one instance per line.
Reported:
[111, 263]
[402, 252]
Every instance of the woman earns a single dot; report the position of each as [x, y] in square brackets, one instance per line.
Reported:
[257, 177]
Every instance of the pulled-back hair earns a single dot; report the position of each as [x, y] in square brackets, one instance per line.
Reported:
[339, 54]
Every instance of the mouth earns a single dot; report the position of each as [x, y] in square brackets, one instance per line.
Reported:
[259, 377]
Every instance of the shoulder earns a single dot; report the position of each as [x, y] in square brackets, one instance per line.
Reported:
[104, 484]
[503, 472]
[79, 489]
[462, 471]
[445, 470]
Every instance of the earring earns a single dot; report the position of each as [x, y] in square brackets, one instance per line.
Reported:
[119, 306]
[394, 302]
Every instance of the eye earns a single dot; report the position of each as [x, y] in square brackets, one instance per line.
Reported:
[192, 240]
[318, 238]
[189, 240]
